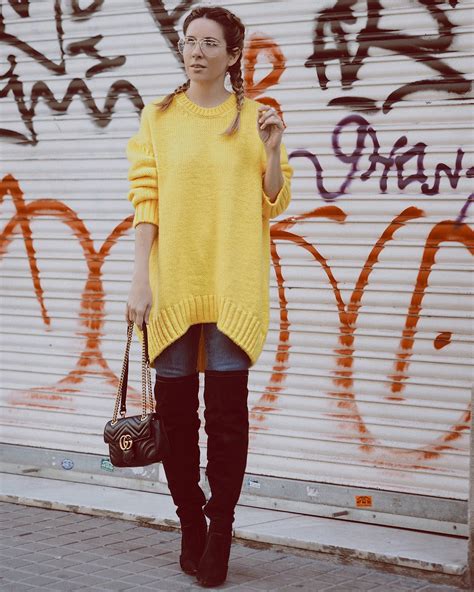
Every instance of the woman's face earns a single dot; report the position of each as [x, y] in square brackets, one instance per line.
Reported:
[215, 60]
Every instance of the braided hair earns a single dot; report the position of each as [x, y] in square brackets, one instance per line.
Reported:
[234, 33]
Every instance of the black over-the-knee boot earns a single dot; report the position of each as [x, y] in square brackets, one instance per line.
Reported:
[227, 428]
[177, 403]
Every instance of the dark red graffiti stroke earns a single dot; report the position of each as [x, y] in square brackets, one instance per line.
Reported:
[421, 48]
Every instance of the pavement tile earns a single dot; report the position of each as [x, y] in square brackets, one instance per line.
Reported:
[413, 583]
[82, 556]
[63, 563]
[354, 586]
[42, 581]
[33, 546]
[92, 579]
[167, 586]
[15, 575]
[274, 582]
[112, 574]
[380, 578]
[66, 586]
[313, 586]
[138, 578]
[244, 588]
[264, 555]
[109, 562]
[18, 563]
[86, 568]
[13, 552]
[39, 568]
[438, 588]
[400, 588]
[115, 585]
[35, 536]
[136, 567]
[159, 561]
[63, 574]
[17, 587]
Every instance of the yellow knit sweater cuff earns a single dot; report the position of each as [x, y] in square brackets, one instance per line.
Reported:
[146, 211]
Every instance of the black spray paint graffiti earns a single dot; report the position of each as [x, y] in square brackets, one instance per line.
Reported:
[395, 161]
[421, 48]
[13, 85]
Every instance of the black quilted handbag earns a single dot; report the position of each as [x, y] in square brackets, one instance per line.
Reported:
[135, 441]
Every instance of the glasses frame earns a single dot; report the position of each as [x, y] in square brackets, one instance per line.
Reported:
[183, 40]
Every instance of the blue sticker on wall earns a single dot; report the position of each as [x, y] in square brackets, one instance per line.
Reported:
[67, 464]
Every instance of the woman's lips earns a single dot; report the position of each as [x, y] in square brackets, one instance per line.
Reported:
[198, 67]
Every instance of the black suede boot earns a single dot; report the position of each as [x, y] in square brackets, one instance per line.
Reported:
[227, 426]
[177, 403]
[193, 542]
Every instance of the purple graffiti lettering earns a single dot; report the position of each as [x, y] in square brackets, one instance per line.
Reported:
[396, 161]
[351, 159]
[463, 212]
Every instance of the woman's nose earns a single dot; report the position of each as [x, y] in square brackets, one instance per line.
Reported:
[197, 50]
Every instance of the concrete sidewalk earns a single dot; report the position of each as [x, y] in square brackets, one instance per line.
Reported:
[288, 551]
[63, 551]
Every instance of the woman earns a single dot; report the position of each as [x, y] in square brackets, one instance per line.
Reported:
[207, 171]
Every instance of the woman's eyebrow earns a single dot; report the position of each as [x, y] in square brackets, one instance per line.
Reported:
[192, 37]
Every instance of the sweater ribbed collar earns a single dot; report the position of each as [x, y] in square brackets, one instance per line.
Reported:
[227, 105]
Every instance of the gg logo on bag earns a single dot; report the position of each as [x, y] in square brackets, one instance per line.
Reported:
[126, 442]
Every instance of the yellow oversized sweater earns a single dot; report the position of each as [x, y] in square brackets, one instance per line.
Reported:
[210, 261]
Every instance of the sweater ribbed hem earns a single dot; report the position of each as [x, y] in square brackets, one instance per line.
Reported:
[242, 327]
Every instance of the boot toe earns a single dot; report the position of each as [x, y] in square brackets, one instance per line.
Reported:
[213, 567]
[188, 565]
[192, 545]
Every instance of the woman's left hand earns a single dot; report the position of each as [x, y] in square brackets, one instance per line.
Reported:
[270, 127]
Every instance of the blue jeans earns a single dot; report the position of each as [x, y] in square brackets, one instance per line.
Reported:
[180, 358]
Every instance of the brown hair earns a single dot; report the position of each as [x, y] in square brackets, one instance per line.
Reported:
[234, 33]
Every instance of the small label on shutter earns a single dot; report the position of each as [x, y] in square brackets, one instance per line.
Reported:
[363, 501]
[106, 465]
[253, 483]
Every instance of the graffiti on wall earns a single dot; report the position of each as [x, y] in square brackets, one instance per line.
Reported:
[391, 163]
[12, 84]
[371, 34]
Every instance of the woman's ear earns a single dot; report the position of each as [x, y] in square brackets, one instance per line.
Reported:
[235, 57]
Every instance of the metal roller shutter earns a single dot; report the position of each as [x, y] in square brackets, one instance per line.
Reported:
[364, 385]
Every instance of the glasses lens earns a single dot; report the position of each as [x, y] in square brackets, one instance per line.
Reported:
[208, 47]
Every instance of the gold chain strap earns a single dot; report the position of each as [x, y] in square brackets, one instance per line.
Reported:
[146, 382]
[146, 379]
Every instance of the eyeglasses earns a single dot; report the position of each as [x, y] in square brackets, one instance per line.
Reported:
[208, 46]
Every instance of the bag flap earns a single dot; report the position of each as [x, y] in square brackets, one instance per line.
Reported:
[132, 427]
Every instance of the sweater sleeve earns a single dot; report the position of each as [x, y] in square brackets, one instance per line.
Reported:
[282, 201]
[142, 174]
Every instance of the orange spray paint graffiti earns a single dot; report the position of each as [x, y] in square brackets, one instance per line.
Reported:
[91, 315]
